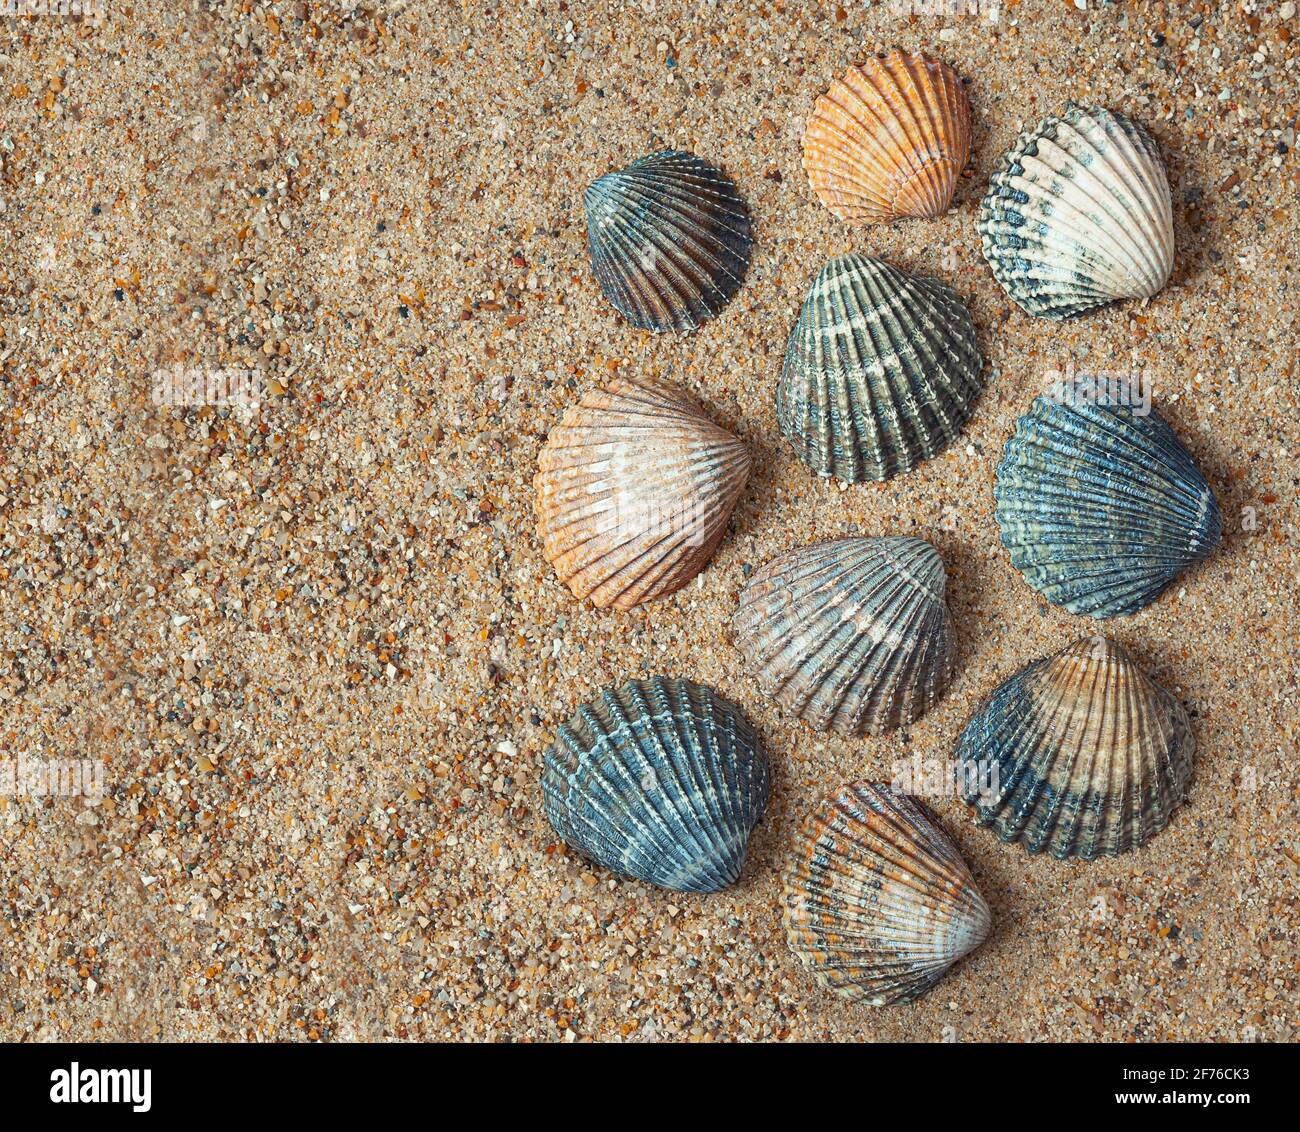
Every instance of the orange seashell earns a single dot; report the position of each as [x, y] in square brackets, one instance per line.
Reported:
[635, 486]
[889, 140]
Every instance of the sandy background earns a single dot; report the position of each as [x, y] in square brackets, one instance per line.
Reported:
[317, 646]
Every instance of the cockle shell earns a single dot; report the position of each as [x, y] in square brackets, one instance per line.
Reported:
[1091, 755]
[1078, 214]
[1100, 505]
[669, 238]
[881, 371]
[889, 140]
[878, 902]
[661, 780]
[634, 489]
[852, 635]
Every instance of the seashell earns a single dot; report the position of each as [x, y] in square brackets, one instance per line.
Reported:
[1088, 755]
[881, 371]
[877, 900]
[634, 489]
[1101, 507]
[669, 239]
[889, 140]
[851, 635]
[661, 780]
[1078, 215]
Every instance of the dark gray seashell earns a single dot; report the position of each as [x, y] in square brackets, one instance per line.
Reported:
[881, 371]
[1078, 215]
[852, 635]
[1089, 755]
[1100, 506]
[669, 238]
[658, 779]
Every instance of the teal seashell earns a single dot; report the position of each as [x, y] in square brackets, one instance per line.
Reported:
[881, 371]
[1090, 756]
[661, 780]
[1078, 215]
[669, 238]
[1100, 506]
[877, 901]
[851, 635]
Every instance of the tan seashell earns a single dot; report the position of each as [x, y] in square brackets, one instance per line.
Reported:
[889, 140]
[634, 489]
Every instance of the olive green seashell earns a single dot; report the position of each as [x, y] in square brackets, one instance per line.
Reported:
[881, 371]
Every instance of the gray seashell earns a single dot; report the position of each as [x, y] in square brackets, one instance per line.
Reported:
[1091, 755]
[1100, 506]
[878, 902]
[661, 780]
[881, 371]
[1078, 215]
[669, 238]
[851, 635]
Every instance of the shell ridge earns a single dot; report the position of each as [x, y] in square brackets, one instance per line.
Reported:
[689, 730]
[1119, 263]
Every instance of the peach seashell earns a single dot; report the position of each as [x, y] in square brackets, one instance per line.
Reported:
[635, 486]
[889, 140]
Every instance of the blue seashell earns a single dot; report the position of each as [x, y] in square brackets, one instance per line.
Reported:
[1101, 507]
[1089, 756]
[669, 238]
[661, 780]
[1078, 215]
[881, 371]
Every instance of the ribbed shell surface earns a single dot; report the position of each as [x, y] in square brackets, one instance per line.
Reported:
[852, 635]
[1092, 756]
[669, 238]
[1078, 214]
[1101, 507]
[881, 371]
[661, 780]
[889, 140]
[634, 489]
[878, 903]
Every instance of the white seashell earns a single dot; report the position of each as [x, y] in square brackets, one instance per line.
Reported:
[1078, 214]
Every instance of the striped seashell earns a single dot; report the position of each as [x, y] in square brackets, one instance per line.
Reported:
[669, 238]
[878, 902]
[881, 371]
[889, 140]
[661, 780]
[1089, 755]
[1100, 506]
[851, 635]
[1078, 215]
[635, 486]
